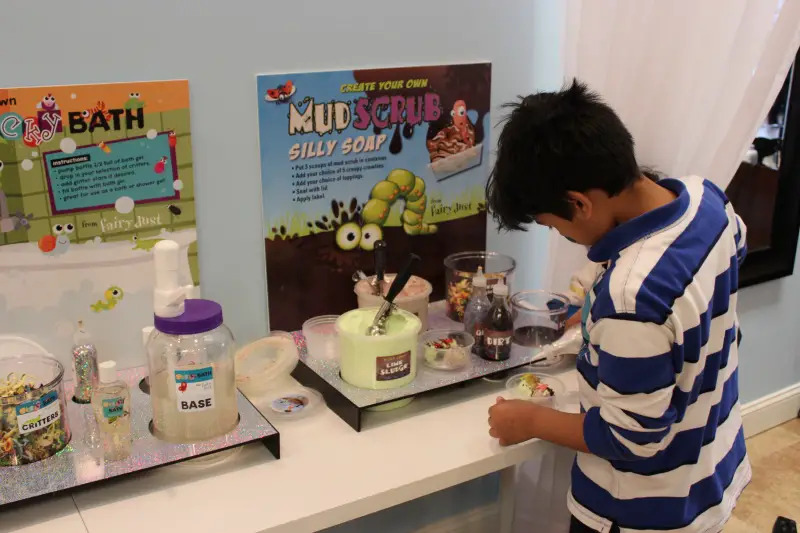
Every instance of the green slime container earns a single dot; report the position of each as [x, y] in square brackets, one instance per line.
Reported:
[378, 362]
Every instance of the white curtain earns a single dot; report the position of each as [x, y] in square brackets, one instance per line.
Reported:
[691, 79]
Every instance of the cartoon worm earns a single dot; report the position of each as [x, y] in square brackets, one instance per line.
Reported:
[400, 183]
[113, 295]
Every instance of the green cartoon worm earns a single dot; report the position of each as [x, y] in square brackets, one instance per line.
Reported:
[400, 183]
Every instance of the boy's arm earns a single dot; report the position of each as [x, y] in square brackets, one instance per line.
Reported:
[636, 378]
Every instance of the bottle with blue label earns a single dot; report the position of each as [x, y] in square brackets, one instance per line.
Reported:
[111, 402]
[191, 360]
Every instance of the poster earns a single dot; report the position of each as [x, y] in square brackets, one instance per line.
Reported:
[352, 157]
[91, 178]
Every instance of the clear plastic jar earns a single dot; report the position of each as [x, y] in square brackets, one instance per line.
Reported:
[33, 422]
[192, 375]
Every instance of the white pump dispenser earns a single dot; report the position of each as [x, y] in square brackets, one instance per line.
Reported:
[168, 294]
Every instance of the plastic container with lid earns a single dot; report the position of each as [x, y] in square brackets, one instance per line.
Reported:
[33, 414]
[460, 269]
[192, 374]
[191, 360]
[378, 362]
[413, 298]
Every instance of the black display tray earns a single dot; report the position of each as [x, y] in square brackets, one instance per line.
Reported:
[350, 402]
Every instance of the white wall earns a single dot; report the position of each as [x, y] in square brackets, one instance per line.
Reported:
[219, 47]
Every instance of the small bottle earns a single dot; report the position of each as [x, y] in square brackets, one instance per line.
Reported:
[84, 364]
[111, 403]
[499, 326]
[477, 311]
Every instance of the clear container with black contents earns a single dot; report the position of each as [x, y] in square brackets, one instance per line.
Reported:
[499, 326]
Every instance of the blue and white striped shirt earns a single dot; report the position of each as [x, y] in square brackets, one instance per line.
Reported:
[658, 373]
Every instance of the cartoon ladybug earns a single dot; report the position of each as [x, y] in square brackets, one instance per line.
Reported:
[281, 93]
[173, 139]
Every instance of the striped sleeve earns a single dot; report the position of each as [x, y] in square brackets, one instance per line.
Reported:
[636, 377]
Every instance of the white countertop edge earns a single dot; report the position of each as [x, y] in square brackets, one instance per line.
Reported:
[322, 480]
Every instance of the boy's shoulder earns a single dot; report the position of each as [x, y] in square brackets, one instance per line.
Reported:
[644, 280]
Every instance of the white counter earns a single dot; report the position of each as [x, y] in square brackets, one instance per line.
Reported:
[328, 473]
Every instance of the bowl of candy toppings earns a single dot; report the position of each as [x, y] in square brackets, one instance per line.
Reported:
[538, 388]
[444, 349]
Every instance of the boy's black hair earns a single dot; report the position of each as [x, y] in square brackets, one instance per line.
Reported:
[552, 143]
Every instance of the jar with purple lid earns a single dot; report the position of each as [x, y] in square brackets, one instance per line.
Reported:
[192, 376]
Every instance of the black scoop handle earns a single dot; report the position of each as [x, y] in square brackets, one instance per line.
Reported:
[402, 278]
[380, 260]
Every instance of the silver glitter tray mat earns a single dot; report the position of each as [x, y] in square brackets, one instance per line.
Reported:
[348, 401]
[82, 463]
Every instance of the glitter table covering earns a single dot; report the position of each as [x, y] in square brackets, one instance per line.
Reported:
[81, 462]
[338, 394]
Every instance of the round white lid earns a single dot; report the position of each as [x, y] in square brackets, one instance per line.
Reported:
[107, 371]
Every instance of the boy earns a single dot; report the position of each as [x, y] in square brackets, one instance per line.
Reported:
[659, 438]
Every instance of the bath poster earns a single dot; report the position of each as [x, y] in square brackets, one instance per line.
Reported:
[91, 178]
[352, 157]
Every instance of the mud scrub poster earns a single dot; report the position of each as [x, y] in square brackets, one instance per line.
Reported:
[352, 157]
[91, 178]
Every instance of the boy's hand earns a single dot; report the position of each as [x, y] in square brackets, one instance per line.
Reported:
[511, 421]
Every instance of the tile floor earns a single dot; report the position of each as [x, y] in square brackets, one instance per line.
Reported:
[775, 488]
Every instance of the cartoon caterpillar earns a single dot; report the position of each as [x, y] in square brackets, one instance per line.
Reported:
[400, 183]
[113, 295]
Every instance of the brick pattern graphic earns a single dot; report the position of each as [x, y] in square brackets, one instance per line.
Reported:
[26, 191]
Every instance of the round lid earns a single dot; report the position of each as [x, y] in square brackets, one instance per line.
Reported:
[295, 402]
[198, 316]
[107, 371]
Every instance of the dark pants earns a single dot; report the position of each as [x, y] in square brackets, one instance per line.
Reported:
[576, 526]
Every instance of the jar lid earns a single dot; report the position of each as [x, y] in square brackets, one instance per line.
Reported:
[198, 316]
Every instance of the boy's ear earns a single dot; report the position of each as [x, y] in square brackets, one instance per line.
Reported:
[581, 205]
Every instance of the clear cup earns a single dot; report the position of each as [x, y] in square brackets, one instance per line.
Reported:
[539, 317]
[320, 334]
[460, 269]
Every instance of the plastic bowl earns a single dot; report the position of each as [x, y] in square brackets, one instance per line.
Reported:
[461, 267]
[413, 298]
[515, 391]
[441, 356]
[33, 424]
[539, 317]
[320, 334]
[265, 362]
